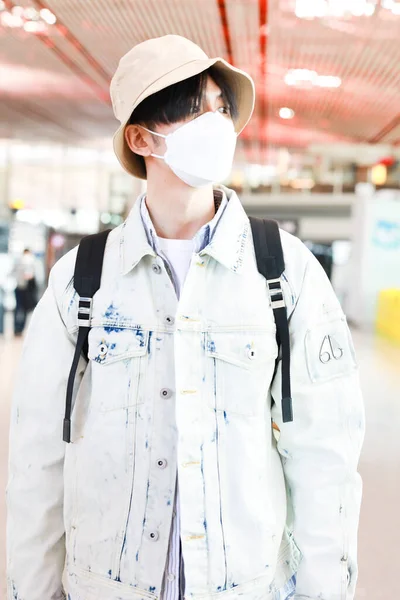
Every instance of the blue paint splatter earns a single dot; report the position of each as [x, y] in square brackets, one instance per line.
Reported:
[113, 329]
[147, 444]
[109, 573]
[72, 301]
[233, 585]
[137, 556]
[211, 346]
[140, 335]
[226, 418]
[111, 312]
[152, 589]
[112, 347]
[169, 503]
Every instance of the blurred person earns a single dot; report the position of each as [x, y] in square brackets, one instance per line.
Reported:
[182, 478]
[26, 290]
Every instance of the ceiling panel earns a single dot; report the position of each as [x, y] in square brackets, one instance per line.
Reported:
[57, 84]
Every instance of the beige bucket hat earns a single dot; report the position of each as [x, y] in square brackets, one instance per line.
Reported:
[156, 64]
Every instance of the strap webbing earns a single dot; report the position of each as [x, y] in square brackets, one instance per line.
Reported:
[82, 337]
[87, 278]
[271, 264]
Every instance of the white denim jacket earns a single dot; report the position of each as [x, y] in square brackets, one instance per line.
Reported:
[186, 386]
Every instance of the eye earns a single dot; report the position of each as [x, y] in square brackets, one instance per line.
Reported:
[225, 110]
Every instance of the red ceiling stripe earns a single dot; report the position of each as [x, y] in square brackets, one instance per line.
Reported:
[379, 137]
[263, 37]
[68, 35]
[225, 28]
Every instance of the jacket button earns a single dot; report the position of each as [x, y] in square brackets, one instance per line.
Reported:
[169, 320]
[153, 536]
[251, 353]
[156, 268]
[162, 463]
[165, 393]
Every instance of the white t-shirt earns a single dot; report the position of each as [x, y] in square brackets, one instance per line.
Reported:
[179, 254]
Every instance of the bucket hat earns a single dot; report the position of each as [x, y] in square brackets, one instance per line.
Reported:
[153, 66]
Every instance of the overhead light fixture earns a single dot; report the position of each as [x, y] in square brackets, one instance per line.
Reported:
[27, 18]
[286, 113]
[306, 77]
[379, 174]
[328, 81]
[48, 16]
[35, 27]
[391, 5]
[319, 9]
[11, 21]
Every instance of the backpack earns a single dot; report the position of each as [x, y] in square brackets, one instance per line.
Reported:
[270, 263]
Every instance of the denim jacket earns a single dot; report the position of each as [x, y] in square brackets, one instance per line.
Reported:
[187, 386]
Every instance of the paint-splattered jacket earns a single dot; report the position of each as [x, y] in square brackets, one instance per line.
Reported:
[186, 386]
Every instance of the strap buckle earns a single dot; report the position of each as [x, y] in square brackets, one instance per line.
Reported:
[85, 312]
[276, 293]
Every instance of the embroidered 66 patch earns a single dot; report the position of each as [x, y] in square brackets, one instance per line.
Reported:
[330, 351]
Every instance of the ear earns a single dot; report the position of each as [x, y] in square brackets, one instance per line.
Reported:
[139, 140]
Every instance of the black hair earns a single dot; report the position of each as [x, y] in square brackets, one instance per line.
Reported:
[179, 101]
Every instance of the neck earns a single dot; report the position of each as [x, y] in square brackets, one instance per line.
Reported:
[177, 210]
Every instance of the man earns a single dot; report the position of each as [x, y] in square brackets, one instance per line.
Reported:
[25, 292]
[182, 479]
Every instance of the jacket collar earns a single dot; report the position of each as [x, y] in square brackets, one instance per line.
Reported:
[227, 245]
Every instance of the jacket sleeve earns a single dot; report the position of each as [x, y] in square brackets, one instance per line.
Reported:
[35, 527]
[320, 449]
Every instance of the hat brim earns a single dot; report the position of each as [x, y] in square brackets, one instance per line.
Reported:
[241, 83]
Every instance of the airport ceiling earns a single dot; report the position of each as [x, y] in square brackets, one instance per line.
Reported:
[331, 65]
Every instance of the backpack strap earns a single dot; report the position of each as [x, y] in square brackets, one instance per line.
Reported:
[271, 264]
[87, 278]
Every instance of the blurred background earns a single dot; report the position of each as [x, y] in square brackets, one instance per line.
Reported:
[321, 155]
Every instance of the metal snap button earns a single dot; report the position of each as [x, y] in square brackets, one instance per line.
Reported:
[169, 320]
[165, 393]
[103, 350]
[154, 536]
[171, 577]
[162, 463]
[251, 353]
[156, 268]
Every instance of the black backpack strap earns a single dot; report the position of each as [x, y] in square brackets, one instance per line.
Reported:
[87, 278]
[271, 264]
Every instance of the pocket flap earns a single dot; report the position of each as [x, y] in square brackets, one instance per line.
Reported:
[246, 349]
[109, 344]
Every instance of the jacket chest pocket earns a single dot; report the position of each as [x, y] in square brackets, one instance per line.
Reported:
[118, 360]
[240, 366]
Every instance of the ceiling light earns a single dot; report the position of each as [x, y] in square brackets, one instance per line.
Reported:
[391, 5]
[17, 11]
[298, 76]
[328, 81]
[31, 14]
[286, 113]
[35, 27]
[312, 9]
[48, 16]
[10, 20]
[301, 77]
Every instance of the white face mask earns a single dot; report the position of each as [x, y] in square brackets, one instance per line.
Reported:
[201, 151]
